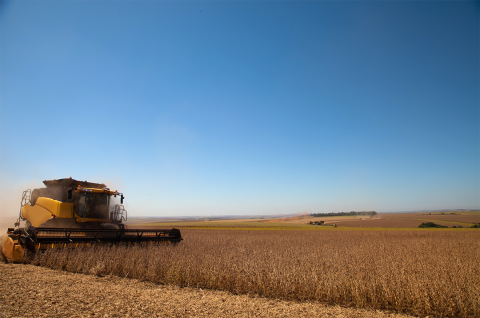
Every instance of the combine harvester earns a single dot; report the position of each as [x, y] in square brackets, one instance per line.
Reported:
[71, 213]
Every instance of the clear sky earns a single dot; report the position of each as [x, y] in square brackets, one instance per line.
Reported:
[221, 108]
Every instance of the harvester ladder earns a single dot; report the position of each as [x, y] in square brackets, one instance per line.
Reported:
[119, 213]
[26, 196]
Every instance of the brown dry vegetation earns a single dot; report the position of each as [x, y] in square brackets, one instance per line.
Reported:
[419, 272]
[33, 291]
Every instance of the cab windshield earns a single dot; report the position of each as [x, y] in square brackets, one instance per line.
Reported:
[93, 205]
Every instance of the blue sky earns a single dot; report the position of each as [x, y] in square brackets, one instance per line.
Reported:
[219, 108]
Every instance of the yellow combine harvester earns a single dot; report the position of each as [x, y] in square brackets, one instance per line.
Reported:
[74, 213]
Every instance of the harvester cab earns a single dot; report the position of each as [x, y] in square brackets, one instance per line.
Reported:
[74, 213]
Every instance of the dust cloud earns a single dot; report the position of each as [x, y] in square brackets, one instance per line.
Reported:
[10, 200]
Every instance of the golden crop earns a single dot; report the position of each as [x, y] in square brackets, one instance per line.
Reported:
[419, 272]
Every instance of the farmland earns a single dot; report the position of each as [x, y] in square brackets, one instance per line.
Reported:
[383, 263]
[301, 222]
[422, 272]
[42, 292]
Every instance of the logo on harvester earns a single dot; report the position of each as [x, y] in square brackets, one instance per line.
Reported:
[84, 189]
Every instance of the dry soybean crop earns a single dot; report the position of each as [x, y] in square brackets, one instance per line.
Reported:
[432, 272]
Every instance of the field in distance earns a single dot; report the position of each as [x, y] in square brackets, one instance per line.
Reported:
[464, 219]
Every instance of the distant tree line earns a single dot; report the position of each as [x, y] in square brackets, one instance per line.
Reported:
[431, 224]
[351, 213]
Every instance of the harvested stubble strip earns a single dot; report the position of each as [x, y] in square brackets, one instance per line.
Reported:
[42, 292]
[423, 273]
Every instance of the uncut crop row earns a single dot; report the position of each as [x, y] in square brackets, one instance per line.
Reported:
[419, 272]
